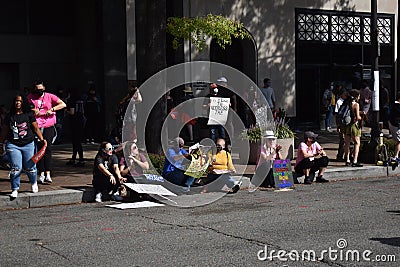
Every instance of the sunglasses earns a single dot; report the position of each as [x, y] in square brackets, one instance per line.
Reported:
[109, 148]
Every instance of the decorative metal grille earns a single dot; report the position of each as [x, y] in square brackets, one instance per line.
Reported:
[313, 27]
[336, 27]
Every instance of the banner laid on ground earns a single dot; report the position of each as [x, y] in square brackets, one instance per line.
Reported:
[283, 176]
[152, 189]
[219, 108]
[136, 205]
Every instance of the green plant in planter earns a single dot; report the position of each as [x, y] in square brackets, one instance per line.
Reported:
[197, 29]
[282, 129]
[253, 134]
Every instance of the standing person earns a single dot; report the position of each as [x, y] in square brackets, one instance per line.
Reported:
[187, 113]
[174, 169]
[92, 105]
[221, 168]
[343, 98]
[222, 84]
[394, 125]
[306, 161]
[60, 114]
[269, 94]
[384, 104]
[353, 130]
[19, 128]
[270, 151]
[127, 114]
[106, 176]
[75, 111]
[328, 103]
[365, 101]
[216, 131]
[45, 106]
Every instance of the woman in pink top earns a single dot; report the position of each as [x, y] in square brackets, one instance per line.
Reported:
[306, 161]
[45, 106]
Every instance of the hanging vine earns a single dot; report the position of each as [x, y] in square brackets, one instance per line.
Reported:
[198, 29]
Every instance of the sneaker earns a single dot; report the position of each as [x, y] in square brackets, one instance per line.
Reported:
[348, 164]
[35, 188]
[320, 179]
[48, 179]
[41, 179]
[14, 194]
[307, 180]
[357, 164]
[98, 198]
[236, 188]
[186, 189]
[252, 188]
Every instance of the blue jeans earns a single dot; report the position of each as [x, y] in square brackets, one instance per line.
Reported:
[217, 130]
[221, 180]
[20, 157]
[329, 115]
[178, 177]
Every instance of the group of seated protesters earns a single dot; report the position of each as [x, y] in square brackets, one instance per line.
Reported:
[110, 172]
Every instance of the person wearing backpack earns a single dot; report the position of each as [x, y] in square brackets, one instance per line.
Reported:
[343, 96]
[353, 130]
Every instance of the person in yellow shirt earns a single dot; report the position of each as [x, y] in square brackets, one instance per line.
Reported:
[221, 168]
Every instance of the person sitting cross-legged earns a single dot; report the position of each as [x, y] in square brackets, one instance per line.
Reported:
[306, 161]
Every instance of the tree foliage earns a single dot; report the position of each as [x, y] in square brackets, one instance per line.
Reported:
[198, 29]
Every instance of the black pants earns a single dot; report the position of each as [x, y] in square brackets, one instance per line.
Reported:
[313, 165]
[45, 164]
[77, 132]
[264, 175]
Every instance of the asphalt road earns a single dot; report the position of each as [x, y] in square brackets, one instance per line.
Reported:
[360, 216]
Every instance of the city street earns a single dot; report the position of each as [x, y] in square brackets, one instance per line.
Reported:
[360, 216]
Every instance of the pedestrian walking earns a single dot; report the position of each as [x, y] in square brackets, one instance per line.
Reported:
[45, 106]
[19, 129]
[269, 94]
[328, 104]
[92, 105]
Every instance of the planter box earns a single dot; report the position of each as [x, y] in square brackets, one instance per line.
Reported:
[253, 154]
[287, 145]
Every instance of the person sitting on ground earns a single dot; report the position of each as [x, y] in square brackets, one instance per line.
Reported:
[106, 176]
[353, 130]
[221, 168]
[306, 161]
[135, 165]
[270, 151]
[174, 169]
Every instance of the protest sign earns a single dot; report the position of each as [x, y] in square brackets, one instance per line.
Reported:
[136, 205]
[39, 155]
[152, 189]
[283, 176]
[219, 108]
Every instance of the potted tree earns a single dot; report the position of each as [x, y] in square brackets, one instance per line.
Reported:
[250, 137]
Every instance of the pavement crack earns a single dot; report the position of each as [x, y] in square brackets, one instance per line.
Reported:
[57, 253]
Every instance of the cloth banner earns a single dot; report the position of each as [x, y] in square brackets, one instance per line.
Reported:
[219, 108]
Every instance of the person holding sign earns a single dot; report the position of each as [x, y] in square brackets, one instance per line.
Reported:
[306, 161]
[217, 112]
[19, 129]
[270, 151]
[221, 168]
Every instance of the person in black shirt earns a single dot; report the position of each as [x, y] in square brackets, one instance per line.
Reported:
[19, 130]
[106, 175]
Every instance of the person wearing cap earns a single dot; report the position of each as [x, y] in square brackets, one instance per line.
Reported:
[174, 169]
[222, 83]
[307, 162]
[269, 152]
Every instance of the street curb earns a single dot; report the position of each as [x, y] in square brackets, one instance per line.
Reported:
[74, 196]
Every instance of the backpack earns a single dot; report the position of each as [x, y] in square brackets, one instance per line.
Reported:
[343, 117]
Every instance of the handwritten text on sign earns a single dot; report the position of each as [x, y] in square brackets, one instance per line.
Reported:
[219, 108]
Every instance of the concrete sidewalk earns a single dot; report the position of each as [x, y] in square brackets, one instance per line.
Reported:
[74, 184]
